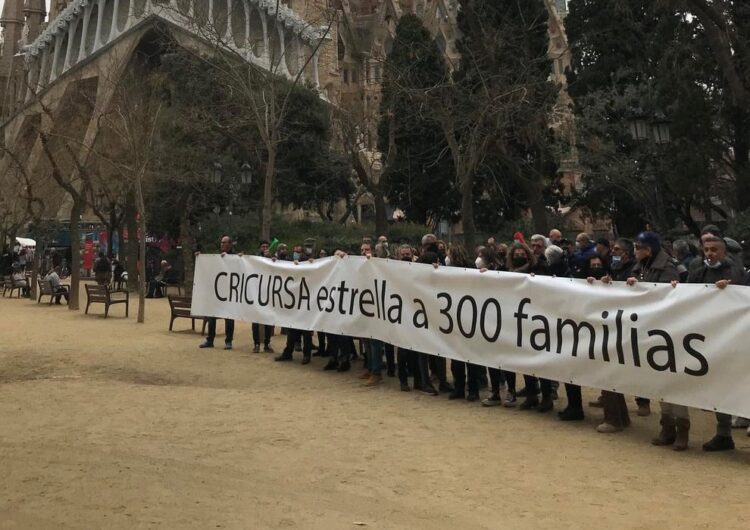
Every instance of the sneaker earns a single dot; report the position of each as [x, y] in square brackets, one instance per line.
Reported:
[206, 344]
[510, 401]
[644, 410]
[283, 358]
[267, 349]
[492, 401]
[740, 423]
[227, 345]
[719, 443]
[256, 348]
[607, 428]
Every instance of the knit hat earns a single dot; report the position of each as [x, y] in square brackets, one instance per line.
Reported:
[711, 229]
[651, 239]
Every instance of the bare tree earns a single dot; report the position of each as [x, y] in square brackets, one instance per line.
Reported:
[262, 96]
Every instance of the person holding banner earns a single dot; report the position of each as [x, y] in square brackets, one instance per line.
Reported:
[653, 265]
[716, 269]
[225, 247]
[461, 379]
[407, 360]
[263, 251]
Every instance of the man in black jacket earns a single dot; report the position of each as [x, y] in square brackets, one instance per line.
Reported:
[716, 269]
[226, 248]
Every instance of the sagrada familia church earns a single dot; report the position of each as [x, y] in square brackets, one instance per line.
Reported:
[47, 55]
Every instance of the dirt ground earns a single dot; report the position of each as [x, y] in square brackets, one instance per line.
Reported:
[114, 424]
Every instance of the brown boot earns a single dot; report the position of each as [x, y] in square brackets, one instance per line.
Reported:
[374, 380]
[667, 434]
[365, 375]
[682, 431]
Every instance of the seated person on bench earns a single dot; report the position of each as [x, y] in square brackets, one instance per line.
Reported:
[160, 281]
[53, 277]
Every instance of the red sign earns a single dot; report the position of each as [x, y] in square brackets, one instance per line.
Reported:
[88, 254]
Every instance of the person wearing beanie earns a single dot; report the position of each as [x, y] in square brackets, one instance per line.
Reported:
[653, 265]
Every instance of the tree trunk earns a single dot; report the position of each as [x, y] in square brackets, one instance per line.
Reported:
[467, 211]
[265, 221]
[536, 204]
[132, 255]
[741, 140]
[35, 266]
[188, 250]
[141, 205]
[381, 220]
[75, 255]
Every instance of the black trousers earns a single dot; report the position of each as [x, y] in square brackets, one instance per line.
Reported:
[228, 330]
[390, 358]
[321, 342]
[575, 401]
[497, 376]
[256, 335]
[408, 364]
[340, 347]
[295, 335]
[459, 371]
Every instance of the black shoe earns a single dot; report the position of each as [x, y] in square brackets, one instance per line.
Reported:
[719, 443]
[570, 414]
[529, 403]
[405, 387]
[522, 393]
[472, 397]
[445, 387]
[391, 372]
[428, 389]
[282, 358]
[332, 365]
[305, 359]
[546, 405]
[343, 367]
[456, 394]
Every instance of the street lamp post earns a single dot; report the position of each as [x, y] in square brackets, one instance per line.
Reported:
[653, 128]
[234, 181]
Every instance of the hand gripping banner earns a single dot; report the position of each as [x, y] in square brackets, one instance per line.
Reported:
[688, 345]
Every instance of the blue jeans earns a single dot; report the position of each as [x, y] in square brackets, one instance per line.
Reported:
[374, 353]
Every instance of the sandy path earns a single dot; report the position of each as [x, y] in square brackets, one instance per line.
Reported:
[111, 424]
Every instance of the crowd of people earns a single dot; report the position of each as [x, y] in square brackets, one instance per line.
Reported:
[648, 257]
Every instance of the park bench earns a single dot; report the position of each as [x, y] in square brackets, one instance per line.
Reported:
[9, 287]
[101, 294]
[45, 289]
[180, 308]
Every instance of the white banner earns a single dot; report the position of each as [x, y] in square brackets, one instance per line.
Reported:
[688, 345]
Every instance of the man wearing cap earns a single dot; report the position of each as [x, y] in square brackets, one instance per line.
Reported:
[654, 265]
